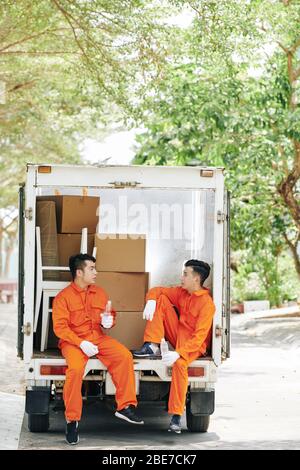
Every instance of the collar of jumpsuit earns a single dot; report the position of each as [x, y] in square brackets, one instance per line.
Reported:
[90, 288]
[202, 291]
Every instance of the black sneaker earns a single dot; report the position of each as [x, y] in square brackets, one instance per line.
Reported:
[146, 351]
[72, 437]
[175, 424]
[128, 414]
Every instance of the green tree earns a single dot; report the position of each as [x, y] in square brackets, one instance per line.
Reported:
[233, 103]
[68, 68]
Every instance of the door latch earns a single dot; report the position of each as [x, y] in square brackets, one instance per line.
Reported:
[124, 184]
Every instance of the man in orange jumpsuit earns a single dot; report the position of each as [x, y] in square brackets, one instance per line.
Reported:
[78, 311]
[187, 327]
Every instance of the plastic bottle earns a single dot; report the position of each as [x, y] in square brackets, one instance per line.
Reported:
[106, 313]
[107, 308]
[164, 348]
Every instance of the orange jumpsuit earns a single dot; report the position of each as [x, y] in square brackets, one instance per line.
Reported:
[76, 317]
[190, 334]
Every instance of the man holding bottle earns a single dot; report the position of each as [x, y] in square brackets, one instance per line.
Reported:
[183, 316]
[80, 311]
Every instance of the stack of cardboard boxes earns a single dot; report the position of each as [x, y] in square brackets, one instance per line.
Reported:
[120, 262]
[61, 220]
[46, 220]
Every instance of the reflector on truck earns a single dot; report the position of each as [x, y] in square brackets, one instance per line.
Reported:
[192, 371]
[53, 370]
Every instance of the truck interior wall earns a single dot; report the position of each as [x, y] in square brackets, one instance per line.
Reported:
[178, 225]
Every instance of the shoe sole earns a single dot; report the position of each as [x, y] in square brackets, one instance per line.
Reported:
[119, 415]
[147, 356]
[177, 431]
[143, 356]
[72, 443]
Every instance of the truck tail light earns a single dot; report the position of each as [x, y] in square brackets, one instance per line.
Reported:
[196, 372]
[53, 370]
[192, 371]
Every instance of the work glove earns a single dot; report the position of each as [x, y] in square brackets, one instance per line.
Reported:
[169, 358]
[107, 320]
[149, 310]
[88, 348]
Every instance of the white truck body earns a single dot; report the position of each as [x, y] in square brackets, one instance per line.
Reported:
[194, 199]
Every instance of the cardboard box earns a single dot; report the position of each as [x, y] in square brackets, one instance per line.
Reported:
[46, 220]
[129, 329]
[73, 213]
[120, 254]
[127, 291]
[69, 244]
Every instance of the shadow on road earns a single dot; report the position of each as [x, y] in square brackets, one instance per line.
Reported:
[100, 429]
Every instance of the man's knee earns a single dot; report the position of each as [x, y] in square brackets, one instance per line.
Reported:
[124, 355]
[181, 365]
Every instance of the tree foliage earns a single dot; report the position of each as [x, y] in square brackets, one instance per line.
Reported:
[68, 68]
[65, 67]
[233, 102]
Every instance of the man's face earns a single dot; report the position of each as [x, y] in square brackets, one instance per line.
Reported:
[88, 274]
[190, 280]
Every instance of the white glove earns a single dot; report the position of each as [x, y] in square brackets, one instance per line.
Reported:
[149, 310]
[88, 348]
[169, 358]
[107, 320]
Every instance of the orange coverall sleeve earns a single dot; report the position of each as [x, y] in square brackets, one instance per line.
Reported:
[61, 319]
[201, 331]
[173, 294]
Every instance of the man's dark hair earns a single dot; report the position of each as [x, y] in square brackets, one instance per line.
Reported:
[78, 262]
[199, 267]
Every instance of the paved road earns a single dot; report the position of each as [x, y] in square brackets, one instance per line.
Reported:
[257, 399]
[11, 380]
[257, 402]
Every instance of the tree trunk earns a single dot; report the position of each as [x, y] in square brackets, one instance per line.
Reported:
[294, 247]
[288, 186]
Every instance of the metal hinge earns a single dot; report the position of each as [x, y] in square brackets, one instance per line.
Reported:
[28, 213]
[26, 329]
[220, 217]
[124, 184]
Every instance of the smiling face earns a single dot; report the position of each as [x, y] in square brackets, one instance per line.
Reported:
[190, 280]
[87, 275]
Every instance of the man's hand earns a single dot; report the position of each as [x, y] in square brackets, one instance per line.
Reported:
[106, 320]
[170, 358]
[149, 310]
[88, 348]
